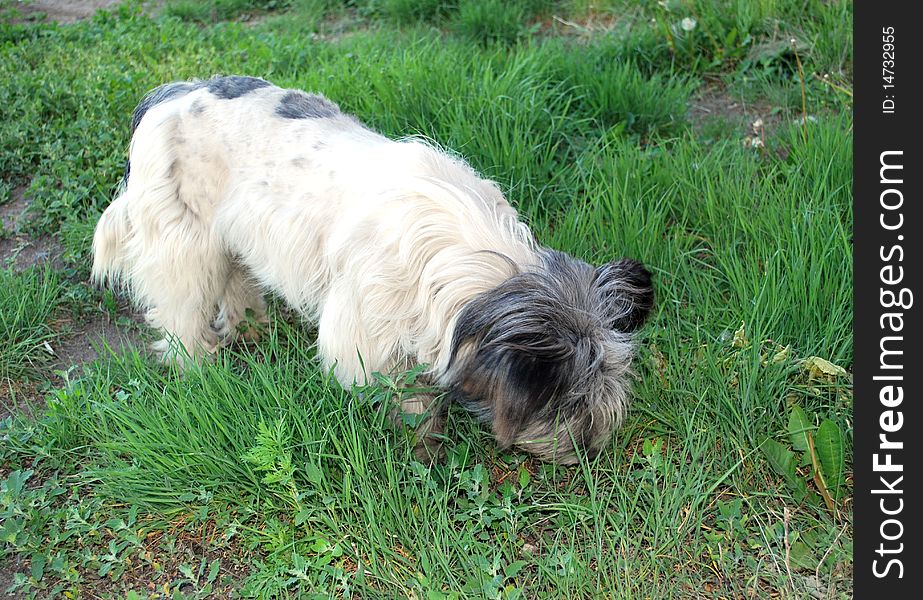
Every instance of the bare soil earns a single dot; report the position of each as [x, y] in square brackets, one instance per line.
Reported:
[63, 11]
[18, 249]
[87, 340]
[13, 212]
[22, 251]
[715, 102]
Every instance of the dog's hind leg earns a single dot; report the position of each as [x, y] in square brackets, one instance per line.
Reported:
[157, 238]
[178, 273]
[241, 294]
[188, 279]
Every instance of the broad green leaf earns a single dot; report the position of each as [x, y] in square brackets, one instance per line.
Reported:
[513, 569]
[806, 459]
[15, 481]
[524, 477]
[213, 570]
[802, 556]
[781, 458]
[730, 38]
[10, 529]
[303, 515]
[314, 473]
[782, 461]
[798, 426]
[38, 566]
[828, 445]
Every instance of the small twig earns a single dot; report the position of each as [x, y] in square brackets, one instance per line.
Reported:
[827, 553]
[804, 95]
[786, 516]
[571, 24]
[838, 88]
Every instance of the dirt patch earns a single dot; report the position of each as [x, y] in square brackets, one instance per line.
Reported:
[155, 570]
[716, 103]
[13, 212]
[21, 252]
[88, 338]
[67, 11]
[18, 249]
[9, 566]
[79, 344]
[19, 397]
[81, 341]
[190, 546]
[63, 11]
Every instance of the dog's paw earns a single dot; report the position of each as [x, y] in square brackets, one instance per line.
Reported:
[429, 449]
[248, 328]
[173, 353]
[251, 329]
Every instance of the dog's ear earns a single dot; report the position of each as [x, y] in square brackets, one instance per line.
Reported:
[625, 294]
[509, 379]
[535, 377]
[510, 359]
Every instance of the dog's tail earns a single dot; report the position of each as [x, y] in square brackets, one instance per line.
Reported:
[109, 242]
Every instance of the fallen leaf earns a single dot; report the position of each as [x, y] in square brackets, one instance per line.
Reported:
[817, 367]
[740, 337]
[781, 355]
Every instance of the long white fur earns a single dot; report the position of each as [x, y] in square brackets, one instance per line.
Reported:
[381, 242]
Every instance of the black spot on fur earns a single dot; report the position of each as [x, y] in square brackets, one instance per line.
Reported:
[298, 105]
[159, 95]
[234, 86]
[198, 107]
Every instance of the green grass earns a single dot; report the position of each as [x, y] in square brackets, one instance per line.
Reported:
[259, 474]
[220, 10]
[27, 301]
[490, 21]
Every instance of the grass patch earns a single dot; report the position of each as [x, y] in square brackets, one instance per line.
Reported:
[27, 301]
[221, 10]
[407, 12]
[490, 21]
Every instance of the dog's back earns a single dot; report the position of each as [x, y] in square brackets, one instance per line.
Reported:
[236, 180]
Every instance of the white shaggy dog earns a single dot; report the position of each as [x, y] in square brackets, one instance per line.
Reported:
[399, 252]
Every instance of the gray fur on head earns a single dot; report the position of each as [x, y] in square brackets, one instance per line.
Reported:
[544, 357]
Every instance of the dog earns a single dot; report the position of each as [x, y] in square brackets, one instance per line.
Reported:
[399, 252]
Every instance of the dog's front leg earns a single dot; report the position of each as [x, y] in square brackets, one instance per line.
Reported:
[241, 294]
[426, 412]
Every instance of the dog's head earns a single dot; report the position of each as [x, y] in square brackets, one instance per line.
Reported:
[545, 356]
